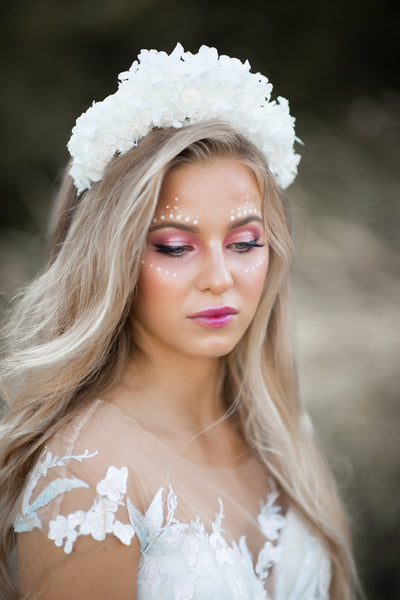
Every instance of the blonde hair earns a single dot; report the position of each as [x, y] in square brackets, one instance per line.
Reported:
[69, 336]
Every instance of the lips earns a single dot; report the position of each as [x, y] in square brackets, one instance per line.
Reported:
[214, 317]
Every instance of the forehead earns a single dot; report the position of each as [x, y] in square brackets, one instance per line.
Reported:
[219, 186]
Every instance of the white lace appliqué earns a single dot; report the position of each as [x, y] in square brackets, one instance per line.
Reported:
[97, 521]
[271, 523]
[165, 543]
[28, 519]
[179, 561]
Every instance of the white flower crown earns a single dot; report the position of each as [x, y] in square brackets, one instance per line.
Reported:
[162, 90]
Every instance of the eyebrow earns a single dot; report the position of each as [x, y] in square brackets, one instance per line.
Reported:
[194, 229]
[244, 221]
[175, 225]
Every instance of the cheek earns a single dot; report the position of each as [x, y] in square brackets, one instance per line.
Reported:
[160, 283]
[252, 275]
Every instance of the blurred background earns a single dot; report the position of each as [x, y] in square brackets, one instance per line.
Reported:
[337, 62]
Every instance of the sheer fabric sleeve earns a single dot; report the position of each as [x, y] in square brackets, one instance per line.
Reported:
[75, 536]
[110, 510]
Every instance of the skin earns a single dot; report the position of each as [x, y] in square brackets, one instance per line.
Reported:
[209, 264]
[221, 260]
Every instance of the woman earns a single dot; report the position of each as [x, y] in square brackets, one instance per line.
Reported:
[154, 445]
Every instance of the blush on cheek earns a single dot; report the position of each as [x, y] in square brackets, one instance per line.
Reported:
[254, 280]
[258, 266]
[156, 272]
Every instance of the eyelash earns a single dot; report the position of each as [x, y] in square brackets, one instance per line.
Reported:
[246, 246]
[179, 251]
[176, 251]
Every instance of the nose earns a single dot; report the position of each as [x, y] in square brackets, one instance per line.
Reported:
[216, 275]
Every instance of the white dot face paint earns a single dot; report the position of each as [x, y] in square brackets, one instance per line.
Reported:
[248, 208]
[158, 269]
[206, 250]
[173, 212]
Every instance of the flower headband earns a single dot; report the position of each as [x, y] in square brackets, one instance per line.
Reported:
[179, 89]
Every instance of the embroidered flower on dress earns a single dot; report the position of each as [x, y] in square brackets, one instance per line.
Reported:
[175, 555]
[203, 564]
[97, 521]
[64, 527]
[40, 470]
[184, 587]
[268, 556]
[150, 528]
[124, 532]
[113, 486]
[269, 519]
[150, 571]
[191, 547]
[223, 553]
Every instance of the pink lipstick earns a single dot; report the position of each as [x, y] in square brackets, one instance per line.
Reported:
[213, 318]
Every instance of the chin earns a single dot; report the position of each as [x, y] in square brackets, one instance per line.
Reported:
[216, 349]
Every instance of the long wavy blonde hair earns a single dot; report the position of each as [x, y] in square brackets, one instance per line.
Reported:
[69, 336]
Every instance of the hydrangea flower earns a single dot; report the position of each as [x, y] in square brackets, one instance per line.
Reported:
[179, 89]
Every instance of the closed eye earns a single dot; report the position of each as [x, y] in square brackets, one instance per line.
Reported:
[176, 251]
[243, 247]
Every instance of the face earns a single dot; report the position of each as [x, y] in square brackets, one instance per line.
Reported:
[205, 263]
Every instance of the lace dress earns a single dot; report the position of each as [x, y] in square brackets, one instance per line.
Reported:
[201, 535]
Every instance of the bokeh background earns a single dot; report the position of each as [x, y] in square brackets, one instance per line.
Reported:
[337, 62]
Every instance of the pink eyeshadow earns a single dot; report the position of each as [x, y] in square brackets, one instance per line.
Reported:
[251, 231]
[172, 239]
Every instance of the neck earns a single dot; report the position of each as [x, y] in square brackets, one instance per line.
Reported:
[180, 388]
